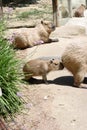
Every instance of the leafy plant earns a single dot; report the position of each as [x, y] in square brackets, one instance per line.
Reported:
[10, 102]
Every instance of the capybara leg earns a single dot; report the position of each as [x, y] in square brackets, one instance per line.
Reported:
[27, 76]
[44, 79]
[53, 40]
[78, 78]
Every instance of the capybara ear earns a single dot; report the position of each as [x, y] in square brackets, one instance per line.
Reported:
[41, 21]
[83, 5]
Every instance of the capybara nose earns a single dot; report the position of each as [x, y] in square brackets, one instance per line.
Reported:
[53, 26]
[61, 66]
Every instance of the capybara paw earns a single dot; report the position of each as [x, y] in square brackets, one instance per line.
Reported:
[55, 40]
[45, 82]
[78, 85]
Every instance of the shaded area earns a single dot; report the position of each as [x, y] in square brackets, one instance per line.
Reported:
[16, 2]
[64, 80]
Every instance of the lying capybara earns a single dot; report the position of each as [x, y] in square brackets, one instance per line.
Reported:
[38, 35]
[75, 60]
[40, 67]
[79, 12]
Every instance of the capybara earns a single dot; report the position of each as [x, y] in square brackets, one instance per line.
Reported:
[63, 11]
[35, 36]
[75, 60]
[41, 67]
[79, 12]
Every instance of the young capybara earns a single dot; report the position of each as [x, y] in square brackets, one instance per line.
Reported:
[79, 12]
[40, 67]
[35, 36]
[75, 60]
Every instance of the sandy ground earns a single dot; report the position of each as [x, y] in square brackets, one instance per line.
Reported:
[58, 105]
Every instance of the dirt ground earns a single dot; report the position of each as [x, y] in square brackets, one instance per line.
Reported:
[58, 105]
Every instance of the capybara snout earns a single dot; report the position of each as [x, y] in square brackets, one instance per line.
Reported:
[49, 26]
[61, 66]
[53, 27]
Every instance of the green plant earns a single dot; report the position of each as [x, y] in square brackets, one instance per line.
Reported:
[33, 13]
[10, 102]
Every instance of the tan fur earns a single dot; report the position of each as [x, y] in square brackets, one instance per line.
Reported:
[38, 67]
[64, 11]
[38, 35]
[80, 11]
[75, 60]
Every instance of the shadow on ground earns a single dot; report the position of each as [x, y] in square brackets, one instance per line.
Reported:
[64, 80]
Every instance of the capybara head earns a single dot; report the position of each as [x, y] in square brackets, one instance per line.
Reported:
[83, 6]
[49, 26]
[55, 64]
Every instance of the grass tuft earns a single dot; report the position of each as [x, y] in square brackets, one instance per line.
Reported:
[9, 78]
[33, 13]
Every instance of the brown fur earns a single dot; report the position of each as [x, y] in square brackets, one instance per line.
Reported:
[38, 35]
[75, 60]
[38, 67]
[80, 11]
